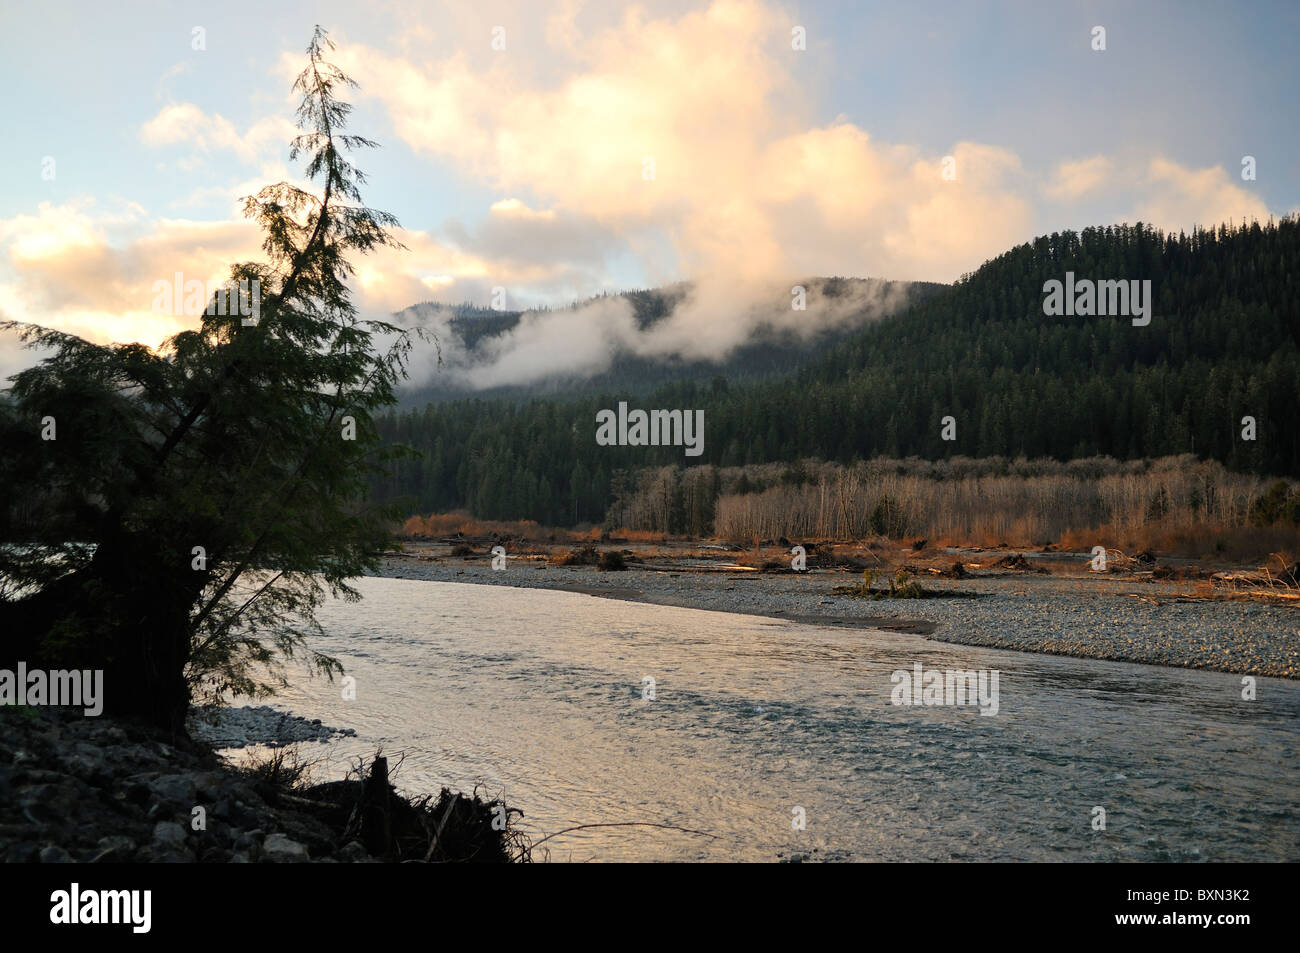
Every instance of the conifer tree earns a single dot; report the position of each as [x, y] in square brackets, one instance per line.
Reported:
[200, 500]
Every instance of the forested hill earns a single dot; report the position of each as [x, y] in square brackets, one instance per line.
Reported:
[1223, 343]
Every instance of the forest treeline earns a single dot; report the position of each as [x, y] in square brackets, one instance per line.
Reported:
[1223, 344]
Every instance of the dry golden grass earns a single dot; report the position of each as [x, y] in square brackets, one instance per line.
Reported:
[1204, 541]
[448, 524]
[625, 535]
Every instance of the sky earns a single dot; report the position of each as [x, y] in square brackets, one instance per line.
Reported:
[552, 151]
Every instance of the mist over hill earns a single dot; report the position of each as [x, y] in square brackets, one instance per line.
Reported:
[627, 341]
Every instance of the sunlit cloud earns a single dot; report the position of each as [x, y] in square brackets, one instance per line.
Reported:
[1179, 198]
[1073, 179]
[626, 140]
[185, 124]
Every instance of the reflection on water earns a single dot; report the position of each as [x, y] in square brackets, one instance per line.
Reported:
[537, 695]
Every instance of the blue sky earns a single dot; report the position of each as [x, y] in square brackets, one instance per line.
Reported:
[115, 67]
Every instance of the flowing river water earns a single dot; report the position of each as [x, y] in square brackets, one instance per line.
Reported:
[539, 696]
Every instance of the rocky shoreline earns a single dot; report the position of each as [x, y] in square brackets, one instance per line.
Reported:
[66, 782]
[245, 726]
[76, 789]
[1114, 617]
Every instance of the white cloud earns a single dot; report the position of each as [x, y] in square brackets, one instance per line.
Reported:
[1076, 178]
[187, 124]
[1179, 198]
[740, 184]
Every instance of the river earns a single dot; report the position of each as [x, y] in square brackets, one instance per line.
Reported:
[756, 724]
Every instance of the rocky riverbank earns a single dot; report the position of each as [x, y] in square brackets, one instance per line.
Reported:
[233, 728]
[91, 790]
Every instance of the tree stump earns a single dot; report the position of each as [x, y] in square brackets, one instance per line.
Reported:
[376, 826]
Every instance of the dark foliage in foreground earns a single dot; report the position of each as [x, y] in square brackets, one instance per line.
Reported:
[452, 827]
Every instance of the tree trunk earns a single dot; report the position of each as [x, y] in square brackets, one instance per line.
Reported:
[124, 615]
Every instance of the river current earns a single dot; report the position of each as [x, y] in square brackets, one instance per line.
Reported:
[781, 739]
